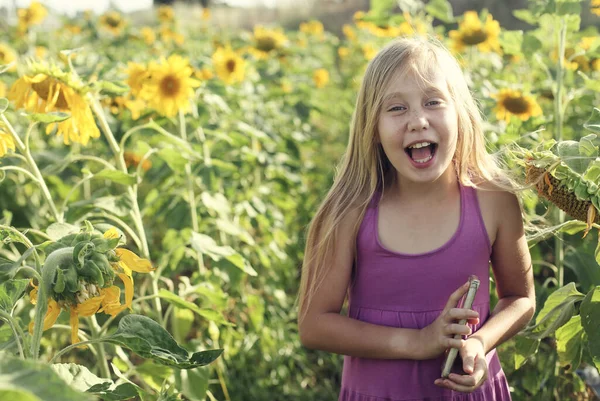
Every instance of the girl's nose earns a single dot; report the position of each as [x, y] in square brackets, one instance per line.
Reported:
[417, 121]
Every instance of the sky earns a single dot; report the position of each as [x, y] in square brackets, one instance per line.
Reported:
[70, 7]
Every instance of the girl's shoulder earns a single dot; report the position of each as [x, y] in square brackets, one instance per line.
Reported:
[499, 208]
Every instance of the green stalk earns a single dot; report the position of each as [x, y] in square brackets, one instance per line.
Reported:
[17, 333]
[70, 347]
[95, 330]
[24, 149]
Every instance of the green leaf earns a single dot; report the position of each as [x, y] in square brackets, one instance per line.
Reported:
[573, 227]
[382, 8]
[440, 9]
[77, 376]
[558, 309]
[511, 41]
[116, 176]
[10, 292]
[531, 44]
[194, 383]
[26, 380]
[524, 348]
[150, 340]
[112, 88]
[209, 314]
[569, 153]
[569, 343]
[587, 147]
[593, 123]
[593, 172]
[56, 231]
[3, 104]
[590, 320]
[173, 158]
[182, 321]
[47, 118]
[206, 245]
[526, 15]
[108, 391]
[568, 8]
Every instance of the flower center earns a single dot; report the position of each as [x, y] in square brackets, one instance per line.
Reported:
[266, 43]
[474, 37]
[516, 105]
[169, 86]
[43, 90]
[230, 65]
[113, 21]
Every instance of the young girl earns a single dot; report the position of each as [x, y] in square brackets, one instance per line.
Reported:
[417, 207]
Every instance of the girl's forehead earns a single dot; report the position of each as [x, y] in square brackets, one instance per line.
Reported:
[411, 79]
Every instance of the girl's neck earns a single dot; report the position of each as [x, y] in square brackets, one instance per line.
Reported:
[410, 192]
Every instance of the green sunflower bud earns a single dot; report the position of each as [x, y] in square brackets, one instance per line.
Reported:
[81, 250]
[92, 271]
[59, 283]
[71, 279]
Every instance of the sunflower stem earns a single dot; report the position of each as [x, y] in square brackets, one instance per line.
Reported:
[24, 149]
[70, 347]
[191, 194]
[95, 330]
[18, 334]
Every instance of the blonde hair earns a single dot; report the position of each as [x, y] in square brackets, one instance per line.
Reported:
[365, 167]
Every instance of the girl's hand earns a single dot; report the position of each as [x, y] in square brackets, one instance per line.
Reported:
[474, 365]
[439, 335]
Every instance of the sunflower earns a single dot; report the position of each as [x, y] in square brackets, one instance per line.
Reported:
[229, 66]
[148, 35]
[7, 55]
[165, 14]
[7, 142]
[595, 7]
[170, 87]
[343, 52]
[113, 22]
[46, 90]
[267, 41]
[134, 159]
[205, 16]
[33, 15]
[321, 77]
[513, 102]
[83, 296]
[168, 35]
[312, 28]
[369, 51]
[204, 74]
[138, 75]
[472, 32]
[2, 89]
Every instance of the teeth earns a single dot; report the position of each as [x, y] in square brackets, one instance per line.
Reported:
[425, 160]
[419, 145]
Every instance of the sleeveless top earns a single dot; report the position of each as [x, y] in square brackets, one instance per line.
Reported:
[409, 291]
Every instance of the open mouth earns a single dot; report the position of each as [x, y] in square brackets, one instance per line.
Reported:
[421, 152]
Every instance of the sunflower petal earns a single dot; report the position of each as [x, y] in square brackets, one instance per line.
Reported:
[111, 233]
[111, 304]
[134, 262]
[51, 315]
[128, 283]
[89, 306]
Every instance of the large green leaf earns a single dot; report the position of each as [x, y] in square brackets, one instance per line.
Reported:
[558, 309]
[206, 245]
[593, 123]
[33, 381]
[57, 231]
[524, 348]
[51, 117]
[150, 340]
[440, 9]
[590, 320]
[10, 292]
[569, 343]
[116, 176]
[193, 383]
[511, 41]
[209, 314]
[569, 153]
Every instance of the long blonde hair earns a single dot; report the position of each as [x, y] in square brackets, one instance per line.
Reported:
[365, 167]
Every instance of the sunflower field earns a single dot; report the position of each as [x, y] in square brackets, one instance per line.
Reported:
[156, 182]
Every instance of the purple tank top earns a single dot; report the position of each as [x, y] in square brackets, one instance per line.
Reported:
[409, 291]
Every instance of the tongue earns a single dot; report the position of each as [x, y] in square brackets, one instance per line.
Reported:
[421, 153]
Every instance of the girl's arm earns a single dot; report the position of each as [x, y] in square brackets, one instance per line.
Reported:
[324, 328]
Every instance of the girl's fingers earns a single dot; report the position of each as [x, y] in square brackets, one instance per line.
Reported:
[457, 295]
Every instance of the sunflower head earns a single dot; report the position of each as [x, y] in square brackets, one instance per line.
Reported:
[512, 102]
[83, 283]
[33, 15]
[7, 141]
[595, 7]
[473, 32]
[7, 54]
[229, 66]
[321, 77]
[312, 28]
[267, 41]
[113, 22]
[165, 14]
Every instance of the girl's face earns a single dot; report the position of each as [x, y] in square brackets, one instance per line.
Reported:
[418, 127]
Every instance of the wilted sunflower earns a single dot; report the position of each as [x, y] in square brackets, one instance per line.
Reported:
[7, 54]
[267, 41]
[513, 102]
[321, 77]
[165, 14]
[113, 22]
[472, 32]
[85, 287]
[170, 87]
[229, 66]
[33, 15]
[7, 142]
[595, 7]
[46, 89]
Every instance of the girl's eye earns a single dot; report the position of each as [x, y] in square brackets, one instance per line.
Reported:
[397, 108]
[434, 102]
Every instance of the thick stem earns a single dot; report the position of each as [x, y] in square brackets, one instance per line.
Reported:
[18, 334]
[24, 149]
[95, 330]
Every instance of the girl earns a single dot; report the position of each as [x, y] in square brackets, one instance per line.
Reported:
[416, 208]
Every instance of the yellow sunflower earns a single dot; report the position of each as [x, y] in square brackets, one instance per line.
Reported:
[229, 66]
[205, 16]
[165, 14]
[168, 35]
[513, 102]
[349, 32]
[267, 41]
[7, 55]
[343, 52]
[47, 90]
[2, 89]
[92, 298]
[472, 32]
[113, 22]
[321, 77]
[595, 7]
[170, 87]
[33, 15]
[312, 28]
[138, 74]
[7, 142]
[148, 35]
[369, 51]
